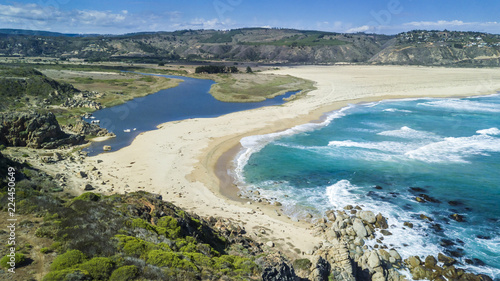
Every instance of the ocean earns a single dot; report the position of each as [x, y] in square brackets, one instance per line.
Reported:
[384, 155]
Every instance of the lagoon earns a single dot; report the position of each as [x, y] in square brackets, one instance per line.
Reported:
[191, 99]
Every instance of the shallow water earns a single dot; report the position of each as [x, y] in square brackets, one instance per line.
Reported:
[191, 99]
[448, 148]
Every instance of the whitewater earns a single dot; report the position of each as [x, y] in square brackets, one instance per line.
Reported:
[384, 155]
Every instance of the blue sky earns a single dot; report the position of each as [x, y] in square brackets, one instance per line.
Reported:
[125, 16]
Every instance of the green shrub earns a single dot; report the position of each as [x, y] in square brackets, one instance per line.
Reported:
[45, 250]
[66, 274]
[171, 225]
[88, 196]
[134, 246]
[169, 259]
[99, 268]
[68, 259]
[18, 257]
[124, 273]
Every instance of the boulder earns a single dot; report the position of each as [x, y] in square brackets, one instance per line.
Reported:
[457, 217]
[413, 262]
[359, 228]
[447, 261]
[430, 262]
[331, 215]
[106, 148]
[270, 244]
[367, 216]
[381, 222]
[373, 260]
[386, 232]
[88, 186]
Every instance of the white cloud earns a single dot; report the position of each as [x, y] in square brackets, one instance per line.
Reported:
[34, 16]
[364, 28]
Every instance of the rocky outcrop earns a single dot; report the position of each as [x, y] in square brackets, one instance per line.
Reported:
[34, 130]
[276, 268]
[83, 99]
[83, 128]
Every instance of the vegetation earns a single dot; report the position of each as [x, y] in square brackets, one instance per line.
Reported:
[117, 237]
[251, 88]
[211, 69]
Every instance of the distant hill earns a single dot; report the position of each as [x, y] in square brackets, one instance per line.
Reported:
[8, 31]
[263, 45]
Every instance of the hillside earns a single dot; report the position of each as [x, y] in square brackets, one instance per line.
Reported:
[261, 45]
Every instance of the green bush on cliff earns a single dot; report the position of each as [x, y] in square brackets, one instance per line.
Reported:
[134, 246]
[170, 259]
[67, 260]
[66, 274]
[99, 268]
[124, 273]
[171, 225]
[88, 196]
[18, 258]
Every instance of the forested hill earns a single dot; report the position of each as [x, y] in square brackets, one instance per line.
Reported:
[262, 45]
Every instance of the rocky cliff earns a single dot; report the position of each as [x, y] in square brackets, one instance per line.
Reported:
[34, 130]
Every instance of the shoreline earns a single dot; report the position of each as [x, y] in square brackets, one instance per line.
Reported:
[180, 160]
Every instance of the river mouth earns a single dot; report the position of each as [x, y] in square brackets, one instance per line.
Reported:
[190, 99]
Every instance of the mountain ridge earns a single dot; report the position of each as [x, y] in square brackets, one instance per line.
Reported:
[262, 45]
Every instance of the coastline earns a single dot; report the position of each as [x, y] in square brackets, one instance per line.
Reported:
[181, 159]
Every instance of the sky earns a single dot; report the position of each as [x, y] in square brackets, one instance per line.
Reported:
[370, 16]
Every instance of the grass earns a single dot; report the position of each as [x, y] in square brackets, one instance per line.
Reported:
[255, 87]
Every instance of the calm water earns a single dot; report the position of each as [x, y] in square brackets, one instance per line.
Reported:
[188, 100]
[449, 148]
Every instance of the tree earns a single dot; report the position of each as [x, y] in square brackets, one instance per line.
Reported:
[249, 69]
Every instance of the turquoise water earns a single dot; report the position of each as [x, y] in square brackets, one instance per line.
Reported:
[448, 149]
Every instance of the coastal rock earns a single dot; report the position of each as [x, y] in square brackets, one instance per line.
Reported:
[374, 260]
[385, 232]
[87, 187]
[408, 224]
[395, 254]
[424, 217]
[270, 244]
[381, 222]
[320, 269]
[359, 228]
[419, 272]
[331, 215]
[431, 262]
[367, 216]
[447, 261]
[83, 128]
[34, 130]
[276, 268]
[457, 217]
[106, 148]
[413, 262]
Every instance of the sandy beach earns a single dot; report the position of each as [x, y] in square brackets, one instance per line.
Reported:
[186, 161]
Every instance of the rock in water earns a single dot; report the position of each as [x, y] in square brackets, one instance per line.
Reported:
[106, 148]
[447, 261]
[381, 222]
